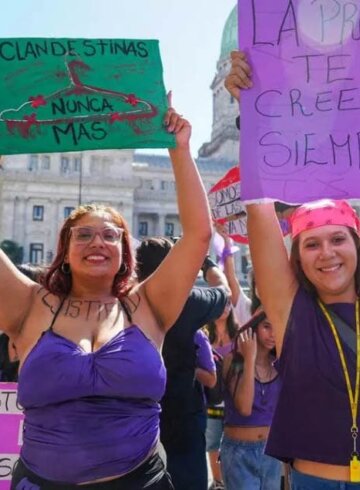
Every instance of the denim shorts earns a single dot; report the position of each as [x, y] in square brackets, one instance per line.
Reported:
[300, 481]
[214, 432]
[244, 466]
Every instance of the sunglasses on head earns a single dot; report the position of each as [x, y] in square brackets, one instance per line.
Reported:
[86, 234]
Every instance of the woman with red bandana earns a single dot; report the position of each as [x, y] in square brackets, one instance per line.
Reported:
[312, 301]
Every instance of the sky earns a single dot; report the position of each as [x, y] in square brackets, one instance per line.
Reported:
[189, 32]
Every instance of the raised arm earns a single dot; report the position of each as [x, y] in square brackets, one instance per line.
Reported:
[275, 280]
[229, 266]
[205, 371]
[16, 294]
[242, 385]
[168, 287]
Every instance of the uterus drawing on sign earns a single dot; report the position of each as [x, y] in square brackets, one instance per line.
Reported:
[77, 103]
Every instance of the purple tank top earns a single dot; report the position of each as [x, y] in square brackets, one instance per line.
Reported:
[312, 420]
[90, 415]
[265, 399]
[225, 349]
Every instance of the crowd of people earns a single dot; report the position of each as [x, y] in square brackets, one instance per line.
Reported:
[128, 373]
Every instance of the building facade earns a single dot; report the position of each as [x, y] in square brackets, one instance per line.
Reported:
[38, 191]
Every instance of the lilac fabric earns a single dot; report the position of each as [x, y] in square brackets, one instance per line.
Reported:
[265, 399]
[204, 357]
[313, 420]
[299, 122]
[225, 349]
[90, 415]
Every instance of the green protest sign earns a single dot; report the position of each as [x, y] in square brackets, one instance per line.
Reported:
[81, 94]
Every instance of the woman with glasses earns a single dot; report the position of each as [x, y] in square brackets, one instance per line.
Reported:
[91, 372]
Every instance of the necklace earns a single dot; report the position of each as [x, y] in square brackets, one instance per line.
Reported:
[263, 381]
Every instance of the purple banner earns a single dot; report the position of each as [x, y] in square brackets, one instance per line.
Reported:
[300, 124]
[11, 423]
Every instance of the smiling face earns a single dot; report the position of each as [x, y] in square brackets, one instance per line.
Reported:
[328, 258]
[97, 256]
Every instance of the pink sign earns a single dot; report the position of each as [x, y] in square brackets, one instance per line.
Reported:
[11, 423]
[300, 133]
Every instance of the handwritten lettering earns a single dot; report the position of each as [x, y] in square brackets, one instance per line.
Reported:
[75, 106]
[335, 22]
[86, 309]
[305, 105]
[7, 463]
[77, 132]
[8, 402]
[11, 50]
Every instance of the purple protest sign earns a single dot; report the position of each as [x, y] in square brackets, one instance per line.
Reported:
[300, 130]
[11, 422]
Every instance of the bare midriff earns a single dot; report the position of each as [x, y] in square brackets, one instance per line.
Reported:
[250, 434]
[322, 470]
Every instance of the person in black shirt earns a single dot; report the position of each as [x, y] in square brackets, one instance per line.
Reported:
[183, 416]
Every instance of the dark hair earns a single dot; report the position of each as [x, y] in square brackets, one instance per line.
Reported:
[237, 362]
[149, 255]
[231, 327]
[300, 275]
[33, 272]
[253, 323]
[255, 300]
[59, 282]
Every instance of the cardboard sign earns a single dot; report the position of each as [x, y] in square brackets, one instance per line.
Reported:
[226, 206]
[61, 95]
[300, 136]
[11, 429]
[228, 209]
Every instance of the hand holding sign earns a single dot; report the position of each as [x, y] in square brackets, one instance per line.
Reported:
[239, 76]
[177, 125]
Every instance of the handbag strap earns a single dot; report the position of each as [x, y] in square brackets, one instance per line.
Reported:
[346, 333]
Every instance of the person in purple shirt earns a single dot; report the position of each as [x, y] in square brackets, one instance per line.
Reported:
[313, 302]
[91, 372]
[205, 371]
[221, 333]
[252, 389]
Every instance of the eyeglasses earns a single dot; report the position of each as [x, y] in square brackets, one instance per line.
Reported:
[86, 234]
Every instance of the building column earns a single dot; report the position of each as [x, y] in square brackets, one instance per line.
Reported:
[19, 221]
[160, 225]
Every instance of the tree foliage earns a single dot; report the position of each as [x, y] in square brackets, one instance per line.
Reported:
[13, 250]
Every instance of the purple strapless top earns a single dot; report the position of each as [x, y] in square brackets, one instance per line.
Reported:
[265, 400]
[90, 415]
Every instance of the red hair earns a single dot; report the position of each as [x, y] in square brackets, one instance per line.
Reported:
[59, 282]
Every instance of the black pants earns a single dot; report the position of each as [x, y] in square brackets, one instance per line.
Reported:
[186, 462]
[151, 475]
